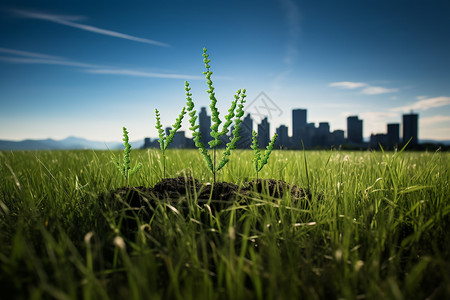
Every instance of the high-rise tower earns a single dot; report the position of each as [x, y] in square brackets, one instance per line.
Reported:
[410, 128]
[354, 130]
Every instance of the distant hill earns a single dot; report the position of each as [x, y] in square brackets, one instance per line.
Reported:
[443, 142]
[69, 143]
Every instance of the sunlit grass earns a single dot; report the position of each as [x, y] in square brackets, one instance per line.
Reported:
[376, 227]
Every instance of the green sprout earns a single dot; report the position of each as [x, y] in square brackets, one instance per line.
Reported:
[233, 112]
[164, 141]
[258, 161]
[124, 167]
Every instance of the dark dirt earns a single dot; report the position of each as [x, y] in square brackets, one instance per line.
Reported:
[140, 201]
[175, 189]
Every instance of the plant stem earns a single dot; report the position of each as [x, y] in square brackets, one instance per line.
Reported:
[214, 165]
[164, 166]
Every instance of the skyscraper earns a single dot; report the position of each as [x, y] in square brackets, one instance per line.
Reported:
[354, 130]
[298, 127]
[393, 134]
[245, 133]
[410, 128]
[264, 133]
[323, 134]
[283, 137]
[205, 126]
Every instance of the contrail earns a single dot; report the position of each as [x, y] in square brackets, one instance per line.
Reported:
[65, 20]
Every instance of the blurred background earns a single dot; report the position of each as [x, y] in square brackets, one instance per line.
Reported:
[84, 69]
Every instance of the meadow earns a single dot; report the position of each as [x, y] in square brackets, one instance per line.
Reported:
[376, 226]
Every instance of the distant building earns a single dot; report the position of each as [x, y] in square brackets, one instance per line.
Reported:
[205, 126]
[337, 138]
[323, 134]
[299, 124]
[246, 133]
[410, 128]
[389, 140]
[264, 133]
[283, 140]
[378, 139]
[147, 143]
[309, 134]
[179, 140]
[354, 130]
[168, 129]
[393, 135]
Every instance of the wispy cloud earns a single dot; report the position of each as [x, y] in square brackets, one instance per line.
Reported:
[69, 21]
[347, 84]
[27, 54]
[376, 90]
[25, 57]
[427, 121]
[367, 89]
[142, 74]
[42, 61]
[425, 104]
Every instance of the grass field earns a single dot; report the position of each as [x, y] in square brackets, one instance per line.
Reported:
[377, 226]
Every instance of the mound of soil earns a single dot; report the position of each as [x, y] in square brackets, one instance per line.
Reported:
[140, 201]
[173, 188]
[178, 188]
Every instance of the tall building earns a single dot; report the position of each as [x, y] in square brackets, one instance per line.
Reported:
[283, 137]
[264, 133]
[354, 130]
[323, 134]
[246, 133]
[205, 126]
[410, 128]
[147, 143]
[299, 125]
[393, 135]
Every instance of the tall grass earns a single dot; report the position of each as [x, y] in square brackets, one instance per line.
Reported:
[376, 226]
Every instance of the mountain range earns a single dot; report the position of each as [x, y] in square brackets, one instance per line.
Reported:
[69, 143]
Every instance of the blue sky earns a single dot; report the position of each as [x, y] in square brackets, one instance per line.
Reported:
[79, 68]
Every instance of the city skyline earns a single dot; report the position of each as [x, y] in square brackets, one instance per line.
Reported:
[86, 70]
[304, 134]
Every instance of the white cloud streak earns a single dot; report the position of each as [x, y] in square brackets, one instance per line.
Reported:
[27, 54]
[347, 84]
[41, 61]
[425, 104]
[429, 121]
[44, 59]
[68, 21]
[367, 89]
[376, 90]
[142, 74]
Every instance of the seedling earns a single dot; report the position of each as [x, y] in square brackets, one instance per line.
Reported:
[258, 161]
[124, 167]
[239, 100]
[164, 141]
